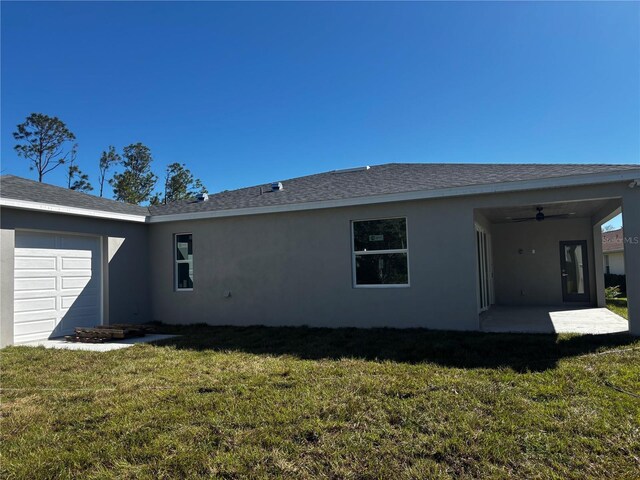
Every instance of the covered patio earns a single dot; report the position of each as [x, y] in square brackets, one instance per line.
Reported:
[550, 319]
[540, 267]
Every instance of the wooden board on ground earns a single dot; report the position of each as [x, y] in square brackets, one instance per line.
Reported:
[102, 333]
[73, 338]
[132, 326]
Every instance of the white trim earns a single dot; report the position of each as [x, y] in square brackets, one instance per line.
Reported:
[502, 187]
[176, 262]
[84, 212]
[355, 253]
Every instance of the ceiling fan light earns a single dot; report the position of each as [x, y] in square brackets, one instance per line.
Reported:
[539, 216]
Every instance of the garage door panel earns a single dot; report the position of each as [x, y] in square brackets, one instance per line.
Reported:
[76, 273]
[34, 337]
[26, 317]
[35, 283]
[34, 304]
[71, 263]
[75, 282]
[36, 274]
[35, 295]
[83, 300]
[44, 326]
[57, 284]
[74, 317]
[77, 293]
[23, 262]
[91, 288]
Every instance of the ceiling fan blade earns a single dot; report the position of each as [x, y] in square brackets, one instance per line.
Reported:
[524, 219]
[560, 215]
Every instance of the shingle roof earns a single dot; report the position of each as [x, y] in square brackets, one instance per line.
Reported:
[335, 185]
[380, 180]
[18, 188]
[613, 241]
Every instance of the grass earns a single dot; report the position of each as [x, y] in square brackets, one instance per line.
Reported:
[618, 306]
[256, 402]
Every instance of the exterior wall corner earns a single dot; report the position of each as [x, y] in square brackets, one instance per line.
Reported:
[7, 244]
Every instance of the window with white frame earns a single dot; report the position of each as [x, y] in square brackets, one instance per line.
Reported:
[380, 253]
[184, 261]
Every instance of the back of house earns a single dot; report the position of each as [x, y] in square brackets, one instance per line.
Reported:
[395, 245]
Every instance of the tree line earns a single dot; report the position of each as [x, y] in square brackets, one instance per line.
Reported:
[46, 143]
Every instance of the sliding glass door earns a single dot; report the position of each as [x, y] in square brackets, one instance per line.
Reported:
[485, 269]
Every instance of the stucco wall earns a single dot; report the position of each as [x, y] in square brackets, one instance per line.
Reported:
[535, 278]
[126, 262]
[296, 269]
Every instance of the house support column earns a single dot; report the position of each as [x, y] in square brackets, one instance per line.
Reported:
[631, 225]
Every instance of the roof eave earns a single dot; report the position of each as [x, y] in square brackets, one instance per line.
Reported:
[65, 210]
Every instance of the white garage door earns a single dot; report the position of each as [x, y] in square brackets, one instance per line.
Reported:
[58, 285]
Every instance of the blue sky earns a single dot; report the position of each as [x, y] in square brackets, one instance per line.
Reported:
[246, 93]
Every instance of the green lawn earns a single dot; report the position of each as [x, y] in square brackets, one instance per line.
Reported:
[619, 306]
[317, 403]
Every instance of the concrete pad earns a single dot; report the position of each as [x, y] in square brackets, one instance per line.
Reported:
[552, 320]
[61, 343]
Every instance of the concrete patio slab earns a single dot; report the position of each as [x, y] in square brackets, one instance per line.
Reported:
[535, 319]
[61, 343]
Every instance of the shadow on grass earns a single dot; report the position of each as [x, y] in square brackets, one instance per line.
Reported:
[521, 352]
[620, 302]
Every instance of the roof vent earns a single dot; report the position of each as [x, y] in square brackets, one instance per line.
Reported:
[276, 186]
[349, 170]
[202, 197]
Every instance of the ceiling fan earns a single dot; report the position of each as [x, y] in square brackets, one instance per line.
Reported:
[540, 216]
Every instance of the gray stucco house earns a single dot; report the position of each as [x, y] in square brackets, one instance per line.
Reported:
[397, 245]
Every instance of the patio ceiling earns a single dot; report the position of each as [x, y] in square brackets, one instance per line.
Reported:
[574, 209]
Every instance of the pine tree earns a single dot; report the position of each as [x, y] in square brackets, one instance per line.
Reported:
[136, 183]
[108, 159]
[44, 139]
